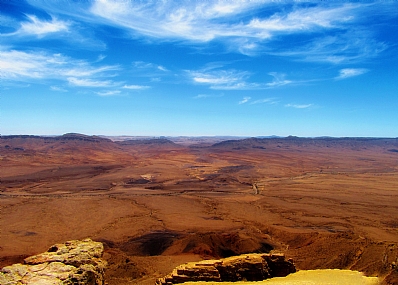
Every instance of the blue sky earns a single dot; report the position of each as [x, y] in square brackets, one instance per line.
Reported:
[245, 68]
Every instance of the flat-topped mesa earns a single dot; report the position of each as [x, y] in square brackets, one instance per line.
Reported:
[248, 267]
[74, 262]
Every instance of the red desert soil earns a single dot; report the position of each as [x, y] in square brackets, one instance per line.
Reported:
[326, 203]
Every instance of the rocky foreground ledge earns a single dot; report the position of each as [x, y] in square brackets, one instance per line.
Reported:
[75, 262]
[246, 267]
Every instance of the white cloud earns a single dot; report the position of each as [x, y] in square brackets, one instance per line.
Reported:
[263, 101]
[350, 46]
[142, 64]
[303, 20]
[259, 101]
[223, 79]
[228, 21]
[136, 87]
[202, 96]
[299, 106]
[86, 82]
[245, 100]
[351, 72]
[279, 80]
[100, 58]
[15, 64]
[239, 25]
[38, 66]
[206, 20]
[37, 27]
[149, 65]
[188, 20]
[162, 68]
[108, 93]
[231, 79]
[83, 69]
[57, 88]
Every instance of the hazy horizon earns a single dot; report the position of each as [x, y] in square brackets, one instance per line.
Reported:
[200, 136]
[199, 68]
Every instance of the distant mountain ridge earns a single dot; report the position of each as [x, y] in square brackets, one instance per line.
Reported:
[216, 142]
[263, 143]
[67, 136]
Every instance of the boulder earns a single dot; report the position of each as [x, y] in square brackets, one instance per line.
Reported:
[248, 267]
[74, 262]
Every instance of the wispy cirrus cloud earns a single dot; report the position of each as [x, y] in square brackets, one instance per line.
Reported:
[204, 21]
[304, 19]
[40, 28]
[220, 79]
[231, 79]
[299, 106]
[203, 96]
[351, 72]
[345, 47]
[40, 66]
[86, 82]
[149, 65]
[258, 101]
[57, 88]
[207, 20]
[155, 72]
[136, 87]
[240, 26]
[108, 93]
[279, 80]
[271, 101]
[244, 100]
[188, 20]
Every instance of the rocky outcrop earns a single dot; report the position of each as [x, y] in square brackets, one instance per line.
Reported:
[249, 267]
[74, 262]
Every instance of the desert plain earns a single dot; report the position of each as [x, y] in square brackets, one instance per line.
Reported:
[327, 203]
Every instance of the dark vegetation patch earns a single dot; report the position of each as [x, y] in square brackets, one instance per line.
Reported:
[393, 150]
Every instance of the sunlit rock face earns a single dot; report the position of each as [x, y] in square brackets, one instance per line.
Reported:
[324, 277]
[250, 267]
[311, 277]
[74, 262]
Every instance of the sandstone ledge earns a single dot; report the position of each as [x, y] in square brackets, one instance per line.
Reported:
[74, 262]
[246, 267]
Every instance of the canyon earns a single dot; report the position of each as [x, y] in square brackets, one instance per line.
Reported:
[154, 204]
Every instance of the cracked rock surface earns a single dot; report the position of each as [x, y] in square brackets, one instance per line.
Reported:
[248, 267]
[74, 262]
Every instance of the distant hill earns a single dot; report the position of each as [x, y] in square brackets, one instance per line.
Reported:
[160, 141]
[292, 141]
[68, 136]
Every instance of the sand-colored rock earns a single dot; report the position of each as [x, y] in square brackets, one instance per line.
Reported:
[311, 277]
[249, 267]
[74, 262]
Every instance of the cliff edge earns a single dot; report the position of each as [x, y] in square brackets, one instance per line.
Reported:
[75, 262]
[247, 267]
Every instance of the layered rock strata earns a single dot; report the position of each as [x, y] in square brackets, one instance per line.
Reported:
[75, 262]
[248, 267]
